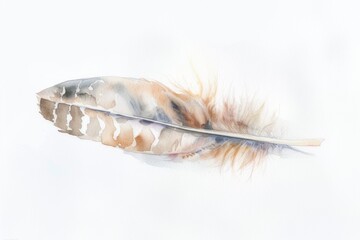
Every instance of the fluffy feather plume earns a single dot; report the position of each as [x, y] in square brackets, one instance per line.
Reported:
[144, 116]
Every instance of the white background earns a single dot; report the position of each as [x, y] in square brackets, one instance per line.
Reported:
[303, 57]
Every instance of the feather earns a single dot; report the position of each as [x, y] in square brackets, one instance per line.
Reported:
[145, 116]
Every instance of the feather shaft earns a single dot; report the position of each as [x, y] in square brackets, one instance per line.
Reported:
[234, 136]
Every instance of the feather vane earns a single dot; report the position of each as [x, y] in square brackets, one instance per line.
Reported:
[145, 116]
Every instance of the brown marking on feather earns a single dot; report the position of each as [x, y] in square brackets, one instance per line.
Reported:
[75, 122]
[46, 109]
[192, 121]
[93, 128]
[144, 140]
[193, 110]
[61, 112]
[107, 135]
[126, 136]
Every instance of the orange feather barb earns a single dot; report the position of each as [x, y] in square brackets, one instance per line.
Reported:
[148, 117]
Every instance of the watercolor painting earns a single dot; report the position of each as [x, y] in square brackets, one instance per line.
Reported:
[147, 117]
[179, 120]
